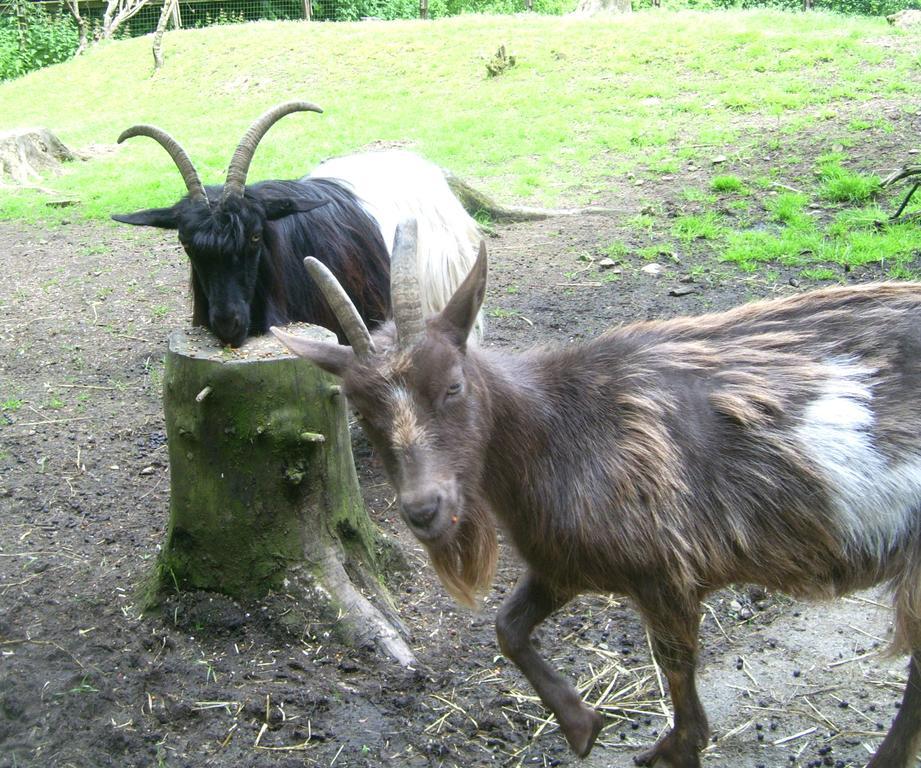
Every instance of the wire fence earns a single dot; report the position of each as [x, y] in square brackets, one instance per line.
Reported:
[37, 33]
[203, 13]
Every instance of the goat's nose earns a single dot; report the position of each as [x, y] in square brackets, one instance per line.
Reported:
[228, 326]
[421, 512]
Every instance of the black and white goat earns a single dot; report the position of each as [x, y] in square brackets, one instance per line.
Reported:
[246, 244]
[778, 443]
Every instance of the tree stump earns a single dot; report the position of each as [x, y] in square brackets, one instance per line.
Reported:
[26, 154]
[263, 491]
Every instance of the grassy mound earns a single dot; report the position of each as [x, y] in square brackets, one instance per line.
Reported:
[586, 99]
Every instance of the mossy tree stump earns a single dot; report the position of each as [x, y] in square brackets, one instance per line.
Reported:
[263, 491]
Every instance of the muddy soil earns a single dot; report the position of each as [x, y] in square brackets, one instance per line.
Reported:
[85, 681]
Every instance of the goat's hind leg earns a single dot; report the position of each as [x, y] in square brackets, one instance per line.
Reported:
[529, 604]
[900, 747]
[673, 626]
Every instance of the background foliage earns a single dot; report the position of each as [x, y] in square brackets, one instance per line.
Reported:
[34, 36]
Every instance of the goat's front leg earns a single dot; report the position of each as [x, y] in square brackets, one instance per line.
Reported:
[673, 625]
[529, 604]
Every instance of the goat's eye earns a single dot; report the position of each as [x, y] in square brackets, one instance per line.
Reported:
[256, 237]
[455, 388]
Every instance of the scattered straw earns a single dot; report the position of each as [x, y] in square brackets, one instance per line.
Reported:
[795, 736]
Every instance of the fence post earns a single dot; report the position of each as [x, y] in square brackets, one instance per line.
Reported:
[423, 9]
[308, 10]
[529, 5]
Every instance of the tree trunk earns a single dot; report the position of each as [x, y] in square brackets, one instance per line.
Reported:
[263, 491]
[117, 13]
[74, 7]
[22, 21]
[168, 11]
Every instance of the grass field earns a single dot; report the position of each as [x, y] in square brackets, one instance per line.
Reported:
[589, 102]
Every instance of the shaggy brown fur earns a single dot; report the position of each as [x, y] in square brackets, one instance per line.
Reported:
[665, 460]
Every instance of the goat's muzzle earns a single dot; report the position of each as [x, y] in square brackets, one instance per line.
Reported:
[420, 513]
[430, 515]
[229, 327]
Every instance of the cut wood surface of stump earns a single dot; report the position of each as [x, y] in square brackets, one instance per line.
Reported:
[263, 491]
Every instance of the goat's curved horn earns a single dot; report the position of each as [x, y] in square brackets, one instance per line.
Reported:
[404, 285]
[352, 325]
[243, 156]
[179, 155]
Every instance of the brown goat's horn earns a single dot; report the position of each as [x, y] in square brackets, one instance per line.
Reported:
[243, 156]
[189, 174]
[352, 325]
[404, 285]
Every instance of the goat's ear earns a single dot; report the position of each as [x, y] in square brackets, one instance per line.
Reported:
[458, 317]
[165, 218]
[331, 357]
[279, 208]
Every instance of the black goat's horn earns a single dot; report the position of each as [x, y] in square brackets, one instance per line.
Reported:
[352, 325]
[243, 156]
[404, 285]
[179, 155]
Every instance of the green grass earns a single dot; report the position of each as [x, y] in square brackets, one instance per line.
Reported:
[727, 183]
[788, 208]
[693, 195]
[546, 131]
[616, 250]
[854, 238]
[819, 273]
[841, 185]
[705, 226]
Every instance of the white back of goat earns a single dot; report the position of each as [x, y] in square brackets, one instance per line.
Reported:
[395, 185]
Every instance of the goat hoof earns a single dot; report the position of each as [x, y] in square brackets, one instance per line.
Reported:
[671, 752]
[581, 736]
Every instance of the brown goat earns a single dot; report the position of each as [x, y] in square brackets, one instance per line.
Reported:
[778, 443]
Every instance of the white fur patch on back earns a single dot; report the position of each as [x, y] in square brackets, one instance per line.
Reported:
[876, 500]
[394, 185]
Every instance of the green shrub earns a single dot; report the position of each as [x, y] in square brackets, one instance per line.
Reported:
[32, 37]
[353, 10]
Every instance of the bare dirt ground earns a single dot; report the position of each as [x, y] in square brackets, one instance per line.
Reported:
[84, 484]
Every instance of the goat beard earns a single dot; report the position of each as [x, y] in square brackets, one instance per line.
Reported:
[466, 563]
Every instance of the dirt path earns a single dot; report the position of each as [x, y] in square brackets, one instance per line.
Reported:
[83, 503]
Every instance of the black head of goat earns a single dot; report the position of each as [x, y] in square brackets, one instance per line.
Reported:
[246, 244]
